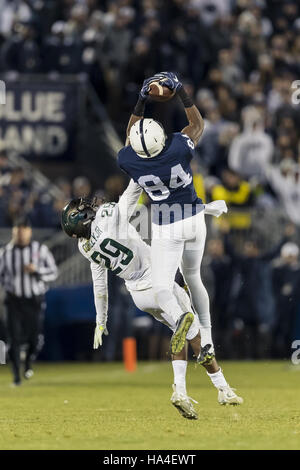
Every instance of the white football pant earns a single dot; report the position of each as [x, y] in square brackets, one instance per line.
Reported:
[181, 243]
[145, 301]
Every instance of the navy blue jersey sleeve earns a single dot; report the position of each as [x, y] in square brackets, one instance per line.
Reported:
[120, 153]
[187, 146]
[121, 160]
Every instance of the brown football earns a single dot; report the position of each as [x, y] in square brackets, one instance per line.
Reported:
[159, 92]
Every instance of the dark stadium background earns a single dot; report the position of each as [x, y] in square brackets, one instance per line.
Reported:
[73, 70]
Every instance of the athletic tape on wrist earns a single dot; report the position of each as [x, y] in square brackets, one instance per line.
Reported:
[139, 107]
[185, 98]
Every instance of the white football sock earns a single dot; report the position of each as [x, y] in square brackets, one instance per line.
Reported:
[179, 369]
[218, 379]
[206, 336]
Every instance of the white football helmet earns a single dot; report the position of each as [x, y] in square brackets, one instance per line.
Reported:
[147, 138]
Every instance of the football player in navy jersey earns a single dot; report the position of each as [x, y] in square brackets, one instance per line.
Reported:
[160, 164]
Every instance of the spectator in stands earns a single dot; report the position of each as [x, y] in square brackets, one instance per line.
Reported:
[91, 63]
[63, 49]
[235, 191]
[46, 209]
[116, 46]
[221, 267]
[17, 194]
[238, 195]
[255, 313]
[208, 148]
[286, 281]
[253, 148]
[114, 187]
[212, 10]
[65, 186]
[81, 187]
[284, 179]
[283, 147]
[10, 10]
[232, 74]
[227, 103]
[77, 21]
[214, 153]
[227, 134]
[21, 52]
[140, 64]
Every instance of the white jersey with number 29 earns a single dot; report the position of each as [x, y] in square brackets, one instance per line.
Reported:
[115, 245]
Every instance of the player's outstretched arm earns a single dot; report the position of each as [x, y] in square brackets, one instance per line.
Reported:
[132, 120]
[129, 199]
[138, 111]
[196, 123]
[139, 108]
[99, 275]
[195, 127]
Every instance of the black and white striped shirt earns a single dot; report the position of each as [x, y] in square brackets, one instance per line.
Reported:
[15, 280]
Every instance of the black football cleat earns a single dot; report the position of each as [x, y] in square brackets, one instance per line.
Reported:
[206, 355]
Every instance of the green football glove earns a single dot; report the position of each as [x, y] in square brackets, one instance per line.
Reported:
[99, 330]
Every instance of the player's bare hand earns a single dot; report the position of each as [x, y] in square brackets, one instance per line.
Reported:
[30, 268]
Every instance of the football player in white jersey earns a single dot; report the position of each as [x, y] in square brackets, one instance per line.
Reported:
[109, 241]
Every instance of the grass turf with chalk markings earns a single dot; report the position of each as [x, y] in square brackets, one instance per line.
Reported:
[100, 406]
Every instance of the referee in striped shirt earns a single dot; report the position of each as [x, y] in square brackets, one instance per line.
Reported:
[26, 266]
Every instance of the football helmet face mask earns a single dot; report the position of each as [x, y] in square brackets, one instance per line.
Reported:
[147, 138]
[77, 216]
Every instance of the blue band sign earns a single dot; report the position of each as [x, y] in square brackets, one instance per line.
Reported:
[39, 119]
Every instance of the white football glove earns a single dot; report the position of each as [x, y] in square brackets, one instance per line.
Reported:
[99, 330]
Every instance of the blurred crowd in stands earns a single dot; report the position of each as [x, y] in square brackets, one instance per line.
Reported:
[240, 60]
[20, 194]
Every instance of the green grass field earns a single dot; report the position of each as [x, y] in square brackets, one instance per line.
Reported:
[100, 406]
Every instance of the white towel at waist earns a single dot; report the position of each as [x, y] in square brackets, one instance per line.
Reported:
[215, 208]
